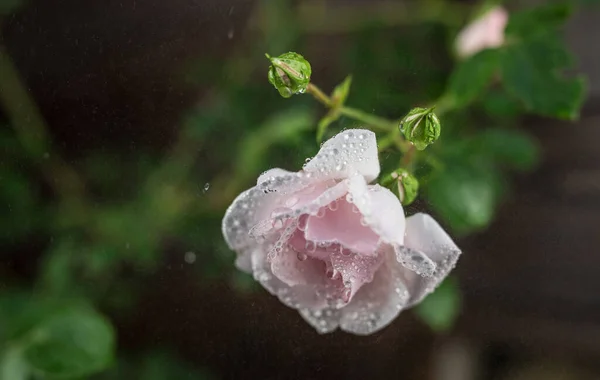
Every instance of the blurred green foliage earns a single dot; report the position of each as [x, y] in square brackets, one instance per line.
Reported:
[100, 243]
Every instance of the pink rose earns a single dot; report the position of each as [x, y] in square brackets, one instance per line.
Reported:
[335, 248]
[484, 32]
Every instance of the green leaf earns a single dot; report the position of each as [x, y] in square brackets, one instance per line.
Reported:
[471, 77]
[74, 342]
[341, 91]
[465, 194]
[440, 309]
[325, 121]
[532, 23]
[498, 103]
[13, 366]
[512, 147]
[531, 73]
[338, 97]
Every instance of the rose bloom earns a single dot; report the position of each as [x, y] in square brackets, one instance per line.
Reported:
[483, 33]
[338, 250]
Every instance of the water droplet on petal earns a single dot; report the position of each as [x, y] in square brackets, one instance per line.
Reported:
[333, 205]
[302, 223]
[291, 201]
[310, 246]
[321, 212]
[301, 256]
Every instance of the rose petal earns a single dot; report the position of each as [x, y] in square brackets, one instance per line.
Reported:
[295, 268]
[255, 205]
[356, 270]
[323, 320]
[296, 297]
[426, 236]
[342, 226]
[350, 152]
[380, 208]
[377, 303]
[272, 174]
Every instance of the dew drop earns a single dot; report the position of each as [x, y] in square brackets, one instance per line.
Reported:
[346, 295]
[291, 201]
[206, 187]
[310, 246]
[349, 198]
[301, 256]
[333, 205]
[302, 223]
[321, 212]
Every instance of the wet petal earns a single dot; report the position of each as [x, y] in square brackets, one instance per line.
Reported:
[255, 205]
[296, 268]
[296, 297]
[356, 270]
[377, 303]
[323, 320]
[342, 226]
[272, 174]
[350, 152]
[380, 208]
[426, 236]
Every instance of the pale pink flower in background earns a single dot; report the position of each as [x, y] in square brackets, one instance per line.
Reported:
[333, 247]
[485, 32]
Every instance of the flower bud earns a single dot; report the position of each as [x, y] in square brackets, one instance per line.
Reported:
[421, 127]
[408, 186]
[289, 73]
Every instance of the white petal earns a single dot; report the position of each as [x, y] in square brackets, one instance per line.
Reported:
[425, 236]
[351, 152]
[323, 320]
[255, 205]
[244, 262]
[380, 208]
[377, 303]
[272, 174]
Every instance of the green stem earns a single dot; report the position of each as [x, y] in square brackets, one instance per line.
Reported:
[318, 94]
[377, 123]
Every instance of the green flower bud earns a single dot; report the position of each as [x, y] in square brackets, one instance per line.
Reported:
[289, 73]
[408, 186]
[421, 127]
